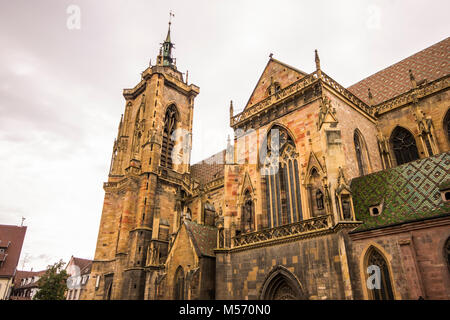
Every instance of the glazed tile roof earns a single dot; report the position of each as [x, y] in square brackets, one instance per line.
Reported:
[209, 169]
[410, 192]
[13, 235]
[203, 237]
[431, 63]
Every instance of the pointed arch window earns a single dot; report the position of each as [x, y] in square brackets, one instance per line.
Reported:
[382, 287]
[179, 284]
[170, 120]
[404, 145]
[362, 156]
[447, 253]
[282, 179]
[447, 124]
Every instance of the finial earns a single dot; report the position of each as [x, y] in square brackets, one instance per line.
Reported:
[187, 76]
[231, 108]
[317, 59]
[270, 55]
[369, 93]
[412, 78]
[170, 18]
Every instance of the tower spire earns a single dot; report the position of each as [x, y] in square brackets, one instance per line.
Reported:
[165, 53]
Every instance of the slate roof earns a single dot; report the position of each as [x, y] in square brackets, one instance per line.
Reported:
[431, 63]
[13, 235]
[210, 168]
[203, 237]
[410, 192]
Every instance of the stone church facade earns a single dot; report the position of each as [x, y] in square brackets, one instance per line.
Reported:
[322, 188]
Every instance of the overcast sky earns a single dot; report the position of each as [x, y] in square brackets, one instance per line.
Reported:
[61, 89]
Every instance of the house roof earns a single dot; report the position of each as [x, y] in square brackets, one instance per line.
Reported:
[209, 169]
[431, 63]
[408, 192]
[20, 274]
[85, 265]
[203, 237]
[13, 235]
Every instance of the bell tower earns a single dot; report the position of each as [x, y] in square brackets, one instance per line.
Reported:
[149, 166]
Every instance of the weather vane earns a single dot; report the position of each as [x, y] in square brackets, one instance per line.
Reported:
[170, 16]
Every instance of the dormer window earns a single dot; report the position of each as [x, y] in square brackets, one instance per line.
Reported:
[376, 210]
[444, 188]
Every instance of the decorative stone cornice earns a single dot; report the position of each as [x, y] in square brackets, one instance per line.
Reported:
[173, 79]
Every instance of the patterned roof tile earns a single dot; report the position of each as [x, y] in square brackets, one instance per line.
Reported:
[408, 192]
[431, 63]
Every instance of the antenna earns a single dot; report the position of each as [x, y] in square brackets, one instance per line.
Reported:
[25, 259]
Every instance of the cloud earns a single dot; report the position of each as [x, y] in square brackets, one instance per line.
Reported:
[61, 90]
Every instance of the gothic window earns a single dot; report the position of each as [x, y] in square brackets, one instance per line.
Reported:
[170, 119]
[282, 179]
[361, 153]
[382, 287]
[447, 124]
[404, 145]
[248, 214]
[447, 252]
[179, 284]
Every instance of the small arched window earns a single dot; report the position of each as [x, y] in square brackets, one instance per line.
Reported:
[179, 284]
[404, 145]
[273, 88]
[170, 120]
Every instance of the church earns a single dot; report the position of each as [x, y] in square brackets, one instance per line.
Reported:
[324, 192]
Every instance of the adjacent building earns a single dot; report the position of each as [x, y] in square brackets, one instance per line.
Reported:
[26, 284]
[11, 241]
[326, 192]
[79, 271]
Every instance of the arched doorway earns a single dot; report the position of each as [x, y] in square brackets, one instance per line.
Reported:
[179, 284]
[281, 284]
